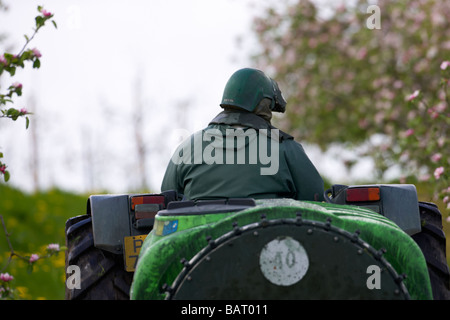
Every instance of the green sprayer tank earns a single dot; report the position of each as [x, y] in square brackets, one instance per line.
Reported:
[364, 242]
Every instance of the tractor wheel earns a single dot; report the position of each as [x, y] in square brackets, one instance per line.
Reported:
[432, 242]
[102, 274]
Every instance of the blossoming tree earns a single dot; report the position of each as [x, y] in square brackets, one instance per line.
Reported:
[381, 91]
[8, 64]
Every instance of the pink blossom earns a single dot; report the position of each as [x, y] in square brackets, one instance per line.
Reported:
[17, 85]
[45, 13]
[6, 277]
[362, 53]
[440, 107]
[433, 114]
[36, 53]
[414, 95]
[3, 60]
[2, 168]
[408, 133]
[34, 257]
[445, 64]
[438, 172]
[53, 247]
[446, 199]
[436, 157]
[23, 111]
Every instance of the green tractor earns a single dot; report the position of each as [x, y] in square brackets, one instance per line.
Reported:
[363, 242]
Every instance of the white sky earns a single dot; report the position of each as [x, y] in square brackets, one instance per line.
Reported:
[83, 96]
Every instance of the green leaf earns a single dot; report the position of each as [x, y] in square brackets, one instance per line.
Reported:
[40, 21]
[30, 267]
[27, 122]
[11, 70]
[54, 23]
[36, 64]
[6, 176]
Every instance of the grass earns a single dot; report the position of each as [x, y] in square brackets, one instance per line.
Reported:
[34, 221]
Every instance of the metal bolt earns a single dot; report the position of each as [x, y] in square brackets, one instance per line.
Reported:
[211, 241]
[309, 231]
[186, 263]
[298, 219]
[255, 233]
[236, 228]
[356, 236]
[165, 287]
[263, 222]
[336, 239]
[380, 253]
[400, 278]
[328, 224]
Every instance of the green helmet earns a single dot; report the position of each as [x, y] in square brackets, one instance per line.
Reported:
[247, 87]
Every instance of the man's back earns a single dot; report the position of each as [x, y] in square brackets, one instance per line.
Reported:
[231, 160]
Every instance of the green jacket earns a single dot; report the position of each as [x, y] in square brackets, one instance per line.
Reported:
[240, 155]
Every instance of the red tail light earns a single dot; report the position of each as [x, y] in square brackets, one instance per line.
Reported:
[147, 199]
[363, 194]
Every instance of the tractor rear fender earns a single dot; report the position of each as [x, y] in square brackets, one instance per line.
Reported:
[110, 221]
[115, 217]
[397, 202]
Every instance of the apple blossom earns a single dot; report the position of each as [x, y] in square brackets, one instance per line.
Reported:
[53, 247]
[438, 172]
[33, 258]
[6, 277]
[445, 64]
[36, 53]
[45, 13]
[436, 157]
[408, 133]
[17, 85]
[414, 95]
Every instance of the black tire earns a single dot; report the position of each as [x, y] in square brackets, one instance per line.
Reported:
[103, 276]
[432, 242]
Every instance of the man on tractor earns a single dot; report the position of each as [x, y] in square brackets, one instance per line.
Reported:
[240, 154]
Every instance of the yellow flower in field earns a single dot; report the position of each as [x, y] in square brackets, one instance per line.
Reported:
[23, 293]
[59, 261]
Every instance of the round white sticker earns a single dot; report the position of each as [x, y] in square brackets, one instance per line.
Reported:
[283, 261]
